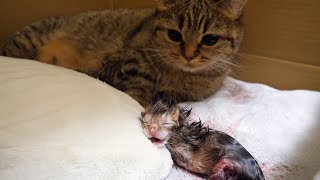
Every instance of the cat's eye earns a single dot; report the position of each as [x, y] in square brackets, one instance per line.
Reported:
[146, 125]
[168, 125]
[143, 121]
[174, 35]
[210, 39]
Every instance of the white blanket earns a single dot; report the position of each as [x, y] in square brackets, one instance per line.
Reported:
[281, 129]
[60, 124]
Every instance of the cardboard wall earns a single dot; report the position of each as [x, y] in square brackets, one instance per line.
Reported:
[282, 43]
[281, 46]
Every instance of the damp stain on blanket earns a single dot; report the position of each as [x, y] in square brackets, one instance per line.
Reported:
[238, 94]
[279, 170]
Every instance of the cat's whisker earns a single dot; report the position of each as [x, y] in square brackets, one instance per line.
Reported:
[156, 50]
[233, 64]
[218, 67]
[219, 60]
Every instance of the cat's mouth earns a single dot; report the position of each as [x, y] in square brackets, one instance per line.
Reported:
[193, 66]
[156, 140]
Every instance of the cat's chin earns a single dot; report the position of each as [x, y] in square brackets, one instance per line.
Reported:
[190, 69]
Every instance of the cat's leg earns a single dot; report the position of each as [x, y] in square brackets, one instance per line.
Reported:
[128, 72]
[144, 97]
[64, 52]
[26, 43]
[47, 41]
[138, 85]
[22, 45]
[172, 95]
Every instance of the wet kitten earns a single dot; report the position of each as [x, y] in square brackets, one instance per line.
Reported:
[159, 120]
[196, 148]
[183, 48]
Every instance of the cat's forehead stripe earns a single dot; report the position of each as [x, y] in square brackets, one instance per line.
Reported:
[194, 16]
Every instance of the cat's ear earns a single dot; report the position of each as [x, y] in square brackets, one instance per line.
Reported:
[176, 114]
[163, 5]
[231, 8]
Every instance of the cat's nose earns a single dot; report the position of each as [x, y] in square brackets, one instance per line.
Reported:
[190, 52]
[153, 130]
[189, 58]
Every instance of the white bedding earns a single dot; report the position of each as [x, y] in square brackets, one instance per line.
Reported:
[280, 128]
[63, 125]
[60, 124]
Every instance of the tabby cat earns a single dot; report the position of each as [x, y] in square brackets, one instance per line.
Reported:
[183, 48]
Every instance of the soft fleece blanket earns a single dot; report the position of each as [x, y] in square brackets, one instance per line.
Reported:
[281, 129]
[58, 124]
[51, 127]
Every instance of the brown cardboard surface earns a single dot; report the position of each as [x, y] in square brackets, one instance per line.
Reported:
[284, 29]
[278, 73]
[15, 14]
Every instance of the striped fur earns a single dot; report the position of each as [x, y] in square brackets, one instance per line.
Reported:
[131, 50]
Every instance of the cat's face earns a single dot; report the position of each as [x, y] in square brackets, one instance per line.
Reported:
[196, 35]
[158, 127]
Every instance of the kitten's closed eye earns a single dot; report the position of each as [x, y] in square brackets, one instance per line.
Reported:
[143, 121]
[169, 124]
[210, 39]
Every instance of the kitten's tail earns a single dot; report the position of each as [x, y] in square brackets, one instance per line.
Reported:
[25, 43]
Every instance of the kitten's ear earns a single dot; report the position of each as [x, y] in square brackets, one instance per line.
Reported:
[163, 5]
[176, 114]
[231, 8]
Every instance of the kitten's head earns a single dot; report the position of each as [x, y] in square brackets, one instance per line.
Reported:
[197, 35]
[160, 119]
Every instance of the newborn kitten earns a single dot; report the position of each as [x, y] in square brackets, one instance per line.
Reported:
[196, 148]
